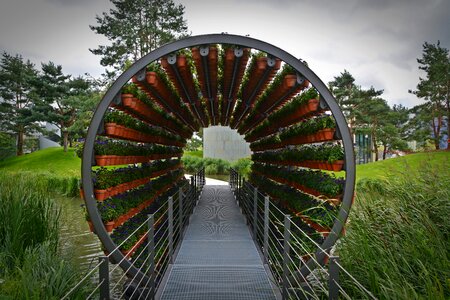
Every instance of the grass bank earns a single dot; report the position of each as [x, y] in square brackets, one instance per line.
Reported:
[397, 243]
[385, 168]
[30, 264]
[59, 171]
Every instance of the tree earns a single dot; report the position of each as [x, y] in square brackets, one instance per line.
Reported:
[344, 90]
[418, 127]
[17, 92]
[136, 27]
[7, 145]
[61, 98]
[371, 113]
[435, 88]
[391, 132]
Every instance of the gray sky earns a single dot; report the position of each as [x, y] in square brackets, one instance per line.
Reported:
[377, 41]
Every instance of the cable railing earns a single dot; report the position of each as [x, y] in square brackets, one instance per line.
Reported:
[300, 266]
[151, 255]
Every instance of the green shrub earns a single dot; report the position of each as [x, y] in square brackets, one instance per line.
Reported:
[30, 267]
[397, 243]
[43, 275]
[243, 166]
[213, 166]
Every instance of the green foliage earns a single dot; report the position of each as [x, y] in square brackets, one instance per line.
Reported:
[397, 242]
[243, 166]
[27, 218]
[198, 153]
[18, 93]
[43, 275]
[213, 166]
[434, 89]
[135, 28]
[7, 145]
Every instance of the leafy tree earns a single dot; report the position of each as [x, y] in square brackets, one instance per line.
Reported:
[17, 98]
[344, 90]
[371, 113]
[418, 127]
[61, 98]
[85, 110]
[136, 27]
[435, 88]
[7, 145]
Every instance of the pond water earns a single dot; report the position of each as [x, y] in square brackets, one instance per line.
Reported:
[76, 241]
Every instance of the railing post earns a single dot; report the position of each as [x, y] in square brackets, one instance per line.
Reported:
[241, 187]
[286, 250]
[170, 212]
[333, 271]
[255, 213]
[104, 277]
[180, 211]
[203, 176]
[266, 229]
[191, 205]
[230, 179]
[151, 255]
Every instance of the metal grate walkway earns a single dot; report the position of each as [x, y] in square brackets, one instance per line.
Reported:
[217, 258]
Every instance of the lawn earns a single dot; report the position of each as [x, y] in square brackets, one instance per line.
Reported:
[51, 160]
[383, 169]
[55, 161]
[198, 153]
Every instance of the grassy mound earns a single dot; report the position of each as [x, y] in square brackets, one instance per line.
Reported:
[52, 161]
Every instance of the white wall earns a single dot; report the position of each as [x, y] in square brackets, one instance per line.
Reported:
[224, 142]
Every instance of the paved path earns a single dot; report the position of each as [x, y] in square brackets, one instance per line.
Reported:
[218, 258]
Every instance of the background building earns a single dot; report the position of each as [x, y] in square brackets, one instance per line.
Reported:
[225, 143]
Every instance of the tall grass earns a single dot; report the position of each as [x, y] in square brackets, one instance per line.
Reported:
[30, 267]
[27, 218]
[398, 239]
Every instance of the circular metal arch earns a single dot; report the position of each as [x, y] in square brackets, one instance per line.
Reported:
[96, 122]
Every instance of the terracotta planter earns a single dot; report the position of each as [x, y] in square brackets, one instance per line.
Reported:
[91, 226]
[110, 128]
[181, 61]
[127, 99]
[109, 226]
[337, 165]
[150, 77]
[229, 54]
[312, 105]
[261, 62]
[101, 195]
[289, 81]
[328, 133]
[101, 160]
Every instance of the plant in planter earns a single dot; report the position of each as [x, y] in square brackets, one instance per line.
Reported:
[130, 88]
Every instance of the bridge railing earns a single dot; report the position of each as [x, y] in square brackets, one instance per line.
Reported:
[287, 247]
[155, 240]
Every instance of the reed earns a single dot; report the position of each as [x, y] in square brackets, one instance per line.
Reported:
[397, 244]
[30, 267]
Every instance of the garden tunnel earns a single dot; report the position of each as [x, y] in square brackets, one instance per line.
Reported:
[297, 132]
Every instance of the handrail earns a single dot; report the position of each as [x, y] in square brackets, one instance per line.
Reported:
[151, 264]
[295, 277]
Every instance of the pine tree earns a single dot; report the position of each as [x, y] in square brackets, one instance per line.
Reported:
[17, 98]
[136, 27]
[435, 88]
[61, 98]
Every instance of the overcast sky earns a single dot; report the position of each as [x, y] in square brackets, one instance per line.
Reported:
[377, 41]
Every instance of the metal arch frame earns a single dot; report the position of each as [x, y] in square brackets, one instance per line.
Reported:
[114, 90]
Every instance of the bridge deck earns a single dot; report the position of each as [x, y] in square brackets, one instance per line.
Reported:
[217, 258]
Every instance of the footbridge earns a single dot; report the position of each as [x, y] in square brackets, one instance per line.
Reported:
[267, 235]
